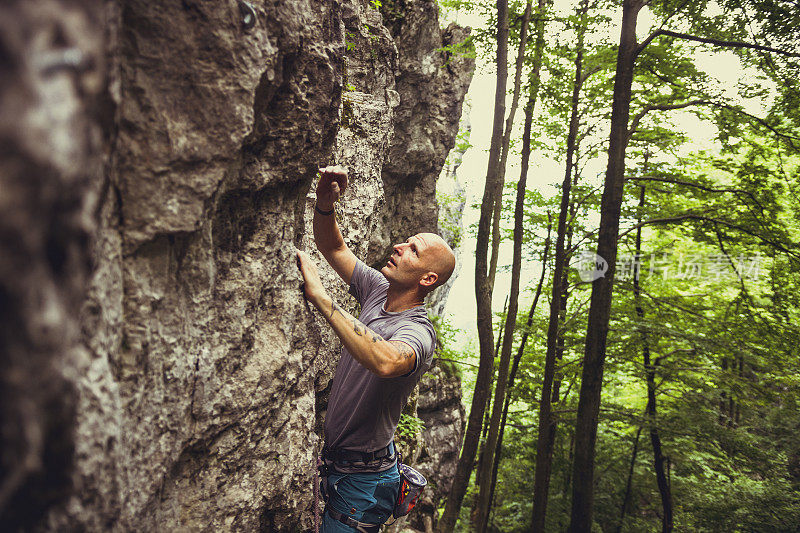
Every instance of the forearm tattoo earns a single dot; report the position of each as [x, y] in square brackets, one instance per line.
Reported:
[359, 328]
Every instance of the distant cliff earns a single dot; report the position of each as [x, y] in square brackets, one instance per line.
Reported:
[159, 369]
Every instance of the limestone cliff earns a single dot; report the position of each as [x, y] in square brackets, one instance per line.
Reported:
[159, 369]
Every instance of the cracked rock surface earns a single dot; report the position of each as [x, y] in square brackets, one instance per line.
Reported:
[160, 370]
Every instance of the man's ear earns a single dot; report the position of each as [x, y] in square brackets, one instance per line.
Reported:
[429, 279]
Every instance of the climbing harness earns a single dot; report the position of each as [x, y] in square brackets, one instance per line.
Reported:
[412, 483]
[340, 455]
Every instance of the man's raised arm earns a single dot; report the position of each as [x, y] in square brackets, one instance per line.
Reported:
[384, 358]
[327, 236]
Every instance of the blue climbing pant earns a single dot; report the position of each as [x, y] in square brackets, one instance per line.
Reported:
[367, 497]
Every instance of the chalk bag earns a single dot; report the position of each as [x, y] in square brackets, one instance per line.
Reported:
[411, 485]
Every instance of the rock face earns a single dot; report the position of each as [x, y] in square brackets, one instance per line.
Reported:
[160, 370]
[432, 81]
[452, 201]
[443, 413]
[53, 130]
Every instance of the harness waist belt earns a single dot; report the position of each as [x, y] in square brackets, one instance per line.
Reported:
[341, 454]
[359, 526]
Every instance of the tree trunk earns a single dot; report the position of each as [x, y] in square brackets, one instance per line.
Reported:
[517, 358]
[547, 423]
[737, 412]
[486, 419]
[483, 290]
[723, 402]
[484, 494]
[650, 373]
[568, 476]
[498, 206]
[600, 306]
[626, 499]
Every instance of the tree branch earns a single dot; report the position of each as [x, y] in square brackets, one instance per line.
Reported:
[730, 262]
[698, 186]
[660, 107]
[715, 42]
[712, 103]
[701, 217]
[665, 220]
[456, 361]
[789, 138]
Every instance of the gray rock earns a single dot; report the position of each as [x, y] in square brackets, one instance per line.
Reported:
[451, 212]
[160, 369]
[432, 82]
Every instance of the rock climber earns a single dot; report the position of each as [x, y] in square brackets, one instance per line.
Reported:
[385, 352]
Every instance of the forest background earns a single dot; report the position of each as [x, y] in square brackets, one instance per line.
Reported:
[696, 425]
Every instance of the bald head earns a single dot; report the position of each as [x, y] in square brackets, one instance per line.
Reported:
[439, 258]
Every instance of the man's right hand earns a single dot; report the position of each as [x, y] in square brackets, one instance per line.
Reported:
[313, 290]
[331, 185]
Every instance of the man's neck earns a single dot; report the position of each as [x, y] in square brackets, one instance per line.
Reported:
[399, 300]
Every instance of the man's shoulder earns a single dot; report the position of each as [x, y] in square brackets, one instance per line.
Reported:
[419, 314]
[366, 281]
[416, 319]
[364, 272]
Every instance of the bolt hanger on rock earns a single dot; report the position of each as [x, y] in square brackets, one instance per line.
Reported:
[248, 15]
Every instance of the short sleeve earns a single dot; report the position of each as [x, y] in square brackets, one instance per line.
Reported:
[365, 281]
[422, 338]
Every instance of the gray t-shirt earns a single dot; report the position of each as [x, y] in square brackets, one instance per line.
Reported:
[364, 409]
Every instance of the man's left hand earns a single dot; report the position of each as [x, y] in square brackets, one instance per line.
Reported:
[313, 289]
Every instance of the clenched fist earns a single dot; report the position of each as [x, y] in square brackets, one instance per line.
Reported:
[331, 185]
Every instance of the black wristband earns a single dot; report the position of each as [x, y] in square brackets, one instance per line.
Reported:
[321, 212]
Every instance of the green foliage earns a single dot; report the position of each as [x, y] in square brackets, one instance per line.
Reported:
[409, 427]
[448, 356]
[723, 340]
[464, 49]
[350, 41]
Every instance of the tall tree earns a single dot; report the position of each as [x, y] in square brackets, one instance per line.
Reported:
[628, 485]
[517, 358]
[488, 457]
[483, 289]
[600, 306]
[534, 82]
[479, 469]
[650, 376]
[484, 494]
[506, 146]
[547, 423]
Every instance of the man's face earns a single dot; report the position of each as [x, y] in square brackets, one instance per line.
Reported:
[409, 261]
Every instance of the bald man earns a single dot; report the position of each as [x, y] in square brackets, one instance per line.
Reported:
[384, 354]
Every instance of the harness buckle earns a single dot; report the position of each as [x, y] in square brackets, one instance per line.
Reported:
[346, 520]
